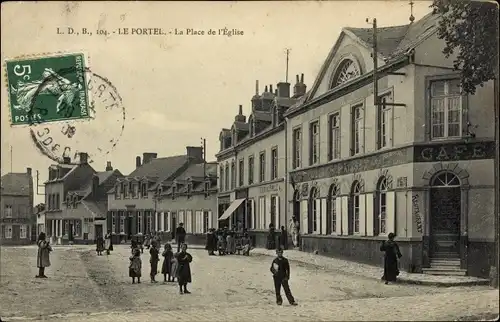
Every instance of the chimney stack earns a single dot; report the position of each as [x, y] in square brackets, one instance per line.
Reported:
[137, 162]
[257, 87]
[28, 171]
[66, 160]
[265, 89]
[194, 153]
[283, 89]
[95, 185]
[270, 88]
[299, 89]
[148, 157]
[240, 111]
[84, 157]
[240, 117]
[108, 166]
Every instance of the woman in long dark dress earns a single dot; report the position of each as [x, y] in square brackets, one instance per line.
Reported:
[391, 257]
[271, 241]
[211, 243]
[183, 269]
[99, 245]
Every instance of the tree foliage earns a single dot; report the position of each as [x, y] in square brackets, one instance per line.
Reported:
[470, 29]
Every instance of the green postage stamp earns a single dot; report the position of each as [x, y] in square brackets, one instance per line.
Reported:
[47, 89]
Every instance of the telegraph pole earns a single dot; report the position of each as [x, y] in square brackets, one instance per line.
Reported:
[375, 60]
[11, 159]
[287, 50]
[204, 147]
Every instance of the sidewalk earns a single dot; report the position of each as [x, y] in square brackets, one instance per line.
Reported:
[369, 271]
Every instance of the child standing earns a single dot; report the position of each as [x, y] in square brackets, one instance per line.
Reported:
[183, 269]
[280, 268]
[155, 258]
[166, 268]
[135, 266]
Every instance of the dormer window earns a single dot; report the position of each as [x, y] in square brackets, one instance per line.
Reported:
[144, 189]
[68, 201]
[131, 188]
[189, 189]
[174, 191]
[125, 190]
[75, 200]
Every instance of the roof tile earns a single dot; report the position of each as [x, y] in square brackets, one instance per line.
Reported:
[16, 184]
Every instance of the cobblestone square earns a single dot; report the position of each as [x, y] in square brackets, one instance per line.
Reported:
[85, 287]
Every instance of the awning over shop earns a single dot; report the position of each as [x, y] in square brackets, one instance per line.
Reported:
[229, 211]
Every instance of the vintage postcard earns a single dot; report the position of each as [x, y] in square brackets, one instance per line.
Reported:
[249, 160]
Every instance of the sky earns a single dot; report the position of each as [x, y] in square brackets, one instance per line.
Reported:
[174, 89]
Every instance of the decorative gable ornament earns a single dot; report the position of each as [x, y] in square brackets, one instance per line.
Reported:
[347, 69]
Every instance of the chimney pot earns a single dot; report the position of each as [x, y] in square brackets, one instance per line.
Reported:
[297, 80]
[265, 89]
[108, 166]
[302, 78]
[283, 89]
[270, 88]
[138, 161]
[28, 171]
[240, 111]
[276, 92]
[194, 153]
[83, 157]
[257, 87]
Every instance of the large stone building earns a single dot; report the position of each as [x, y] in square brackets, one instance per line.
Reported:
[138, 202]
[76, 201]
[251, 162]
[419, 163]
[16, 203]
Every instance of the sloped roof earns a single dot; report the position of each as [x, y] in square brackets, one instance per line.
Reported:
[17, 184]
[285, 101]
[160, 167]
[262, 116]
[396, 40]
[241, 126]
[298, 103]
[96, 208]
[196, 170]
[103, 177]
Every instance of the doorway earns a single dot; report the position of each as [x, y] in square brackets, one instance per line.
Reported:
[98, 231]
[445, 213]
[296, 206]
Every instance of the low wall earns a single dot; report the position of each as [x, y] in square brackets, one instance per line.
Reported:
[363, 250]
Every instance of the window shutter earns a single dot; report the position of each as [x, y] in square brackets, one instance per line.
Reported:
[324, 222]
[210, 220]
[370, 228]
[254, 218]
[182, 219]
[391, 212]
[189, 219]
[318, 216]
[338, 212]
[390, 127]
[277, 217]
[169, 220]
[362, 215]
[362, 132]
[155, 227]
[267, 213]
[109, 221]
[303, 207]
[345, 215]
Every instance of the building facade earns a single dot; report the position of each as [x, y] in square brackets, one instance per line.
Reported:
[137, 203]
[252, 160]
[76, 201]
[191, 199]
[16, 203]
[419, 163]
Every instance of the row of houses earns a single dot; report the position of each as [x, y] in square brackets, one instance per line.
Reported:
[350, 161]
[416, 158]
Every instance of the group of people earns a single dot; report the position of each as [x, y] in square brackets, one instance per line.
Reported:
[104, 244]
[228, 241]
[174, 266]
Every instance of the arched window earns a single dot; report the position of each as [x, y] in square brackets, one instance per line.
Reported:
[347, 70]
[354, 213]
[381, 204]
[332, 209]
[313, 210]
[445, 179]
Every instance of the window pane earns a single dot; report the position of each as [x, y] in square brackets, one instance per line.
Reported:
[454, 86]
[438, 88]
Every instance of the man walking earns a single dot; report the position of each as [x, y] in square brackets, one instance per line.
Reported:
[280, 268]
[180, 236]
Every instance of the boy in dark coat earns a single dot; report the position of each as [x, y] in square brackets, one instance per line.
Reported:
[280, 268]
[155, 258]
[183, 269]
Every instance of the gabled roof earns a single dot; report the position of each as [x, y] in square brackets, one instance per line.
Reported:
[96, 208]
[160, 167]
[103, 178]
[16, 184]
[392, 42]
